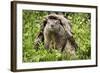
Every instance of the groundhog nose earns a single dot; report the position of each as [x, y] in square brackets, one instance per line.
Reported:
[52, 25]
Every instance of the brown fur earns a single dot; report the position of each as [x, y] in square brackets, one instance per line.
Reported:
[56, 34]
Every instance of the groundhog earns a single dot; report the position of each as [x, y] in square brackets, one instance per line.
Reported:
[56, 33]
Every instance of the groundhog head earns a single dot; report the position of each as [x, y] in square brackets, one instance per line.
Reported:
[53, 25]
[52, 22]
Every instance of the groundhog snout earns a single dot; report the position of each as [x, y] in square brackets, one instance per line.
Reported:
[52, 26]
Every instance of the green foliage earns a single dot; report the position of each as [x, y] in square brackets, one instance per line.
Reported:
[81, 28]
[31, 26]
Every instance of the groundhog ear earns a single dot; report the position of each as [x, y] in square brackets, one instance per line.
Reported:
[43, 24]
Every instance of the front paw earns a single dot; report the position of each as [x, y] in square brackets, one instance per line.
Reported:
[46, 46]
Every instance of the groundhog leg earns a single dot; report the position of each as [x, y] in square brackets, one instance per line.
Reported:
[69, 48]
[46, 43]
[59, 46]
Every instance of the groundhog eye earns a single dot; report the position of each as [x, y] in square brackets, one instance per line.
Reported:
[57, 22]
